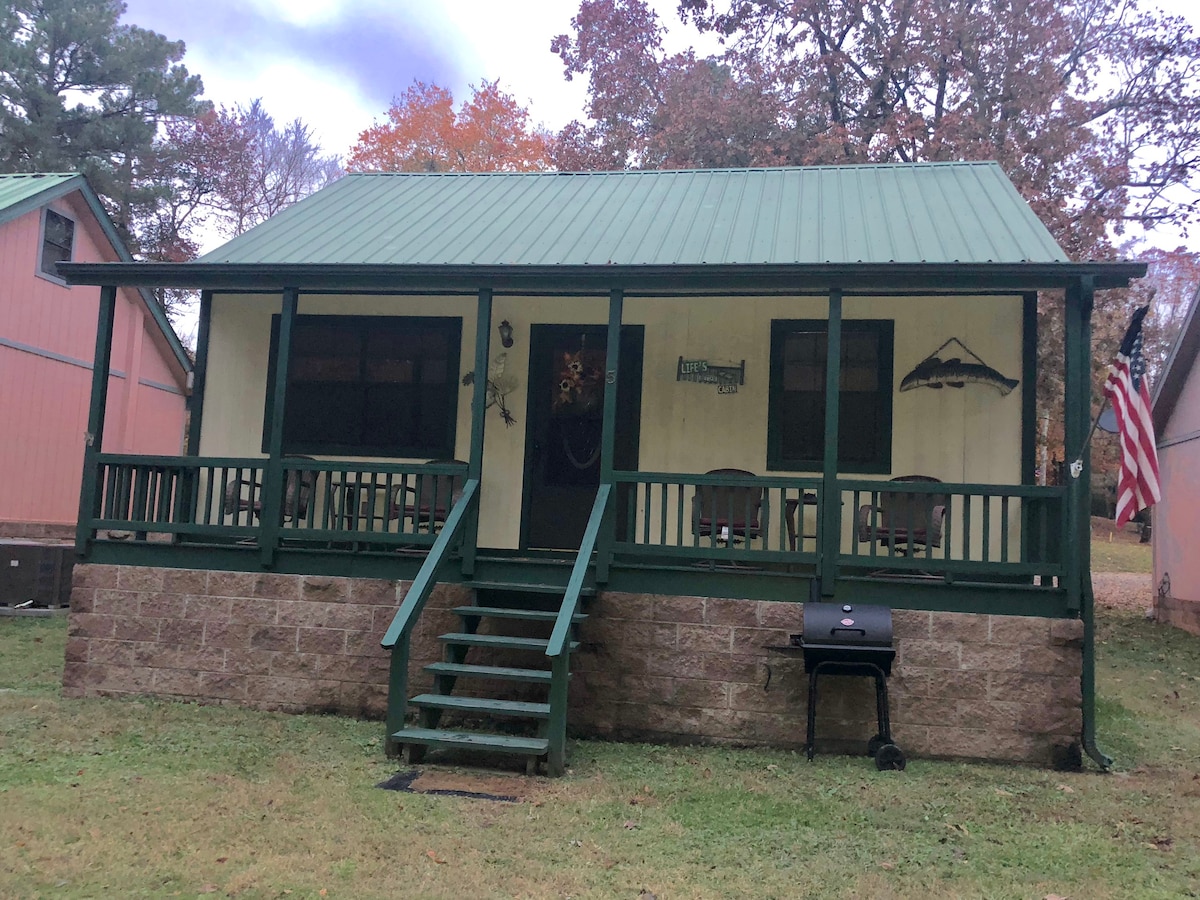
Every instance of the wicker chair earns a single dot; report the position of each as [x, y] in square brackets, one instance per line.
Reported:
[730, 512]
[430, 499]
[903, 521]
[243, 494]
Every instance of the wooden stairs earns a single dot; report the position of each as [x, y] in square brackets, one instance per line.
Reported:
[496, 690]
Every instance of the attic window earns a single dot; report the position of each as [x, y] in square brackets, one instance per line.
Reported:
[58, 234]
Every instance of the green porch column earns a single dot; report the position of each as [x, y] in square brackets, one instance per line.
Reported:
[199, 376]
[608, 443]
[273, 477]
[1077, 407]
[483, 342]
[831, 497]
[89, 495]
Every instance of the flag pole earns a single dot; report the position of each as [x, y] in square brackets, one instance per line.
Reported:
[1077, 465]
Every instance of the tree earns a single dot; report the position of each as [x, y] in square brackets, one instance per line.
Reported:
[78, 92]
[489, 133]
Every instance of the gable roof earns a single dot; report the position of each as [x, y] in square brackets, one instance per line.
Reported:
[24, 192]
[925, 213]
[1180, 362]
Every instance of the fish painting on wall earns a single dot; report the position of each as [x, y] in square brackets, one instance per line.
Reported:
[937, 373]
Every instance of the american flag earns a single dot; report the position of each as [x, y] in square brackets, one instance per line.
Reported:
[1125, 387]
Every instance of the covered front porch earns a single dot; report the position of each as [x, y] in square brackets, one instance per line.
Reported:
[657, 452]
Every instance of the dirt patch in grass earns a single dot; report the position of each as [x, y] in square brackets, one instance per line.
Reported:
[1128, 592]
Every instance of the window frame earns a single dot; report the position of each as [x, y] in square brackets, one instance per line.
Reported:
[777, 460]
[452, 325]
[40, 269]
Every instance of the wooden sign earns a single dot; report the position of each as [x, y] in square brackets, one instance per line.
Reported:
[726, 378]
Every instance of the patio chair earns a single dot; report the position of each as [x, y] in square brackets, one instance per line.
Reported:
[242, 494]
[430, 499]
[903, 521]
[730, 512]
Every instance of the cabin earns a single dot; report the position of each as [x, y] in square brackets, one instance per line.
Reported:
[47, 344]
[503, 457]
[1176, 414]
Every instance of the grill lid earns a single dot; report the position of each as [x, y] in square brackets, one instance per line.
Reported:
[846, 625]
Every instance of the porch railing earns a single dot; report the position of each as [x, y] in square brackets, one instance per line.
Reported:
[718, 517]
[322, 502]
[953, 529]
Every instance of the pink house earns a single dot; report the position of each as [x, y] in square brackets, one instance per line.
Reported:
[1177, 515]
[48, 342]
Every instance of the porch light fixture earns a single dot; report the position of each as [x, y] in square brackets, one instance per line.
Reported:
[935, 372]
[505, 334]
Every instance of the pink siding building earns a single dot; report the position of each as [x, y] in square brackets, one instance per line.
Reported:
[1177, 514]
[47, 343]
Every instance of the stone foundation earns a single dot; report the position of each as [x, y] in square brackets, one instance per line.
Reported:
[1180, 613]
[658, 668]
[38, 531]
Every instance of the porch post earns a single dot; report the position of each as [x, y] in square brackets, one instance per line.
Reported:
[1029, 342]
[271, 495]
[89, 495]
[199, 376]
[1076, 413]
[483, 340]
[608, 443]
[831, 497]
[1078, 545]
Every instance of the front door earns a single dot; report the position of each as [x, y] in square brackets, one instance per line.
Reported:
[565, 423]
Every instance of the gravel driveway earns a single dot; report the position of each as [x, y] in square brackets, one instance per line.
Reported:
[1125, 591]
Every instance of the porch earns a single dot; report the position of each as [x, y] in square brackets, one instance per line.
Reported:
[1000, 549]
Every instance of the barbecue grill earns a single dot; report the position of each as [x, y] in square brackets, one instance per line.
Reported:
[841, 639]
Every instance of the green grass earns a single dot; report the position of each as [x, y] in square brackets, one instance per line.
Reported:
[158, 799]
[1121, 556]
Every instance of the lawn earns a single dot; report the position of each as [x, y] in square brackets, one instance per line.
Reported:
[106, 798]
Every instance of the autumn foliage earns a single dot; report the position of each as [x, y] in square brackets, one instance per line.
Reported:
[490, 132]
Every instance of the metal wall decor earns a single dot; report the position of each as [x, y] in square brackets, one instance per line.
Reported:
[935, 372]
[726, 378]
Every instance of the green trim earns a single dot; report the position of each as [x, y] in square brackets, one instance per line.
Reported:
[483, 337]
[747, 279]
[272, 487]
[884, 330]
[453, 328]
[199, 375]
[89, 491]
[830, 497]
[1029, 341]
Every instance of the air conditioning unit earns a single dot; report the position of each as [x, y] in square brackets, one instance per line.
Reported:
[35, 574]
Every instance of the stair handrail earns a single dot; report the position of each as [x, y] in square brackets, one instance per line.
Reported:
[425, 581]
[561, 635]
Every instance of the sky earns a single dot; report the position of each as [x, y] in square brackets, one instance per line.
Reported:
[337, 64]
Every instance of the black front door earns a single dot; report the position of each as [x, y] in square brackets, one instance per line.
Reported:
[565, 423]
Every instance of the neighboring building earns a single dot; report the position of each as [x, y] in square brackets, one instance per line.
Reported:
[1177, 515]
[47, 342]
[728, 479]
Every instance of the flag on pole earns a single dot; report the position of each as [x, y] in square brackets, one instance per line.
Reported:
[1126, 389]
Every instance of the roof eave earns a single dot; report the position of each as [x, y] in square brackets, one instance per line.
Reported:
[940, 277]
[1178, 366]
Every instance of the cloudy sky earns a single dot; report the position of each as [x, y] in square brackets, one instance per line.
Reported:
[337, 63]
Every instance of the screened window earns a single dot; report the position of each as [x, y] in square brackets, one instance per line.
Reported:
[796, 423]
[58, 234]
[369, 386]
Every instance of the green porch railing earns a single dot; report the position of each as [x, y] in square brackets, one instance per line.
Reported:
[718, 518]
[399, 634]
[559, 648]
[960, 531]
[325, 503]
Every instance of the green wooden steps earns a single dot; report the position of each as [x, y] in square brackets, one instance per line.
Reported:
[533, 676]
[497, 662]
[475, 704]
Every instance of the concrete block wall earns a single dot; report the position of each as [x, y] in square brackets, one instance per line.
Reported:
[650, 667]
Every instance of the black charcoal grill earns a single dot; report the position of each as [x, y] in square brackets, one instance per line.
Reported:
[845, 639]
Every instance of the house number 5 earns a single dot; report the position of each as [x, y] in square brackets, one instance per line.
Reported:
[611, 377]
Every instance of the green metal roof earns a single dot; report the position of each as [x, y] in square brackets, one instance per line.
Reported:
[22, 193]
[965, 212]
